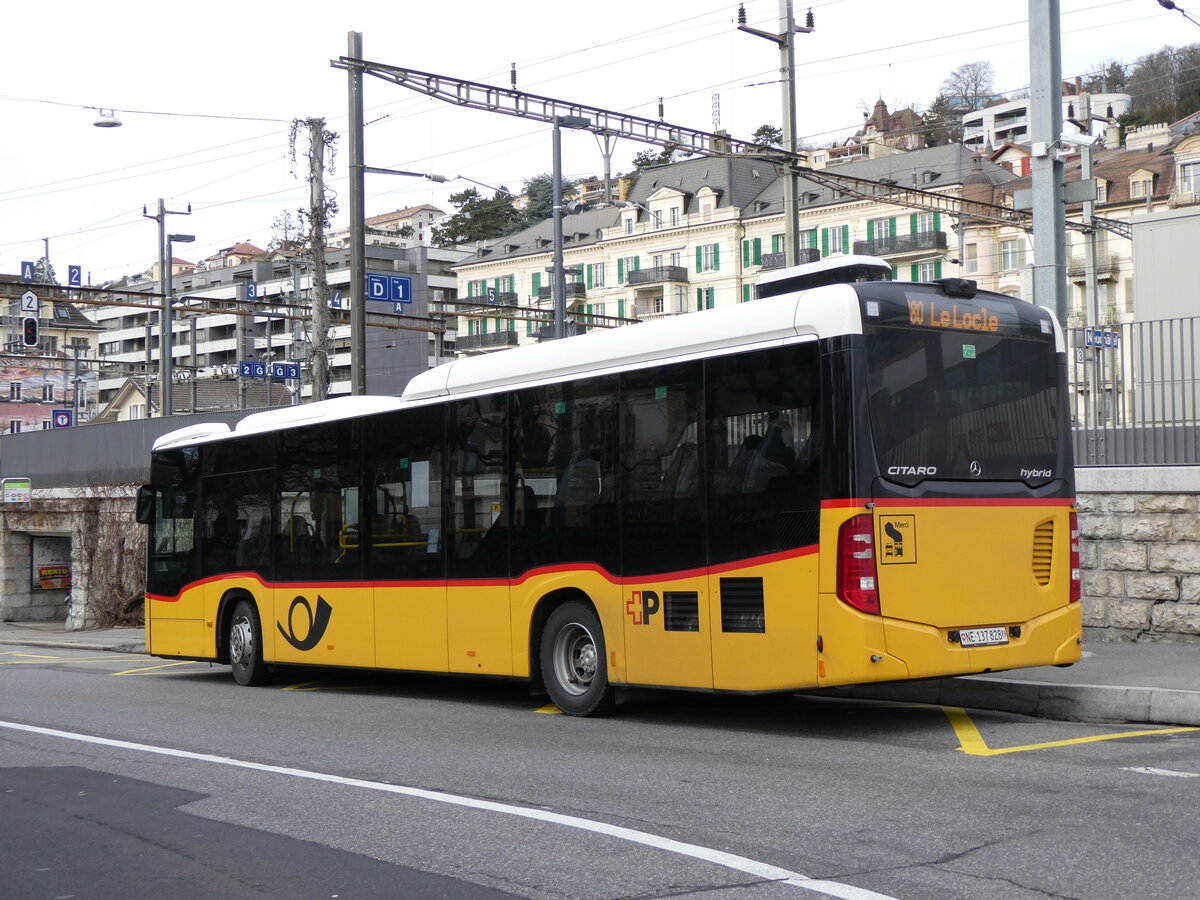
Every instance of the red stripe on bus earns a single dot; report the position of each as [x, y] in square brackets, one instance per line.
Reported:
[891, 502]
[499, 582]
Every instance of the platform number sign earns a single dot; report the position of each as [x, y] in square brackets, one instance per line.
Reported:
[252, 369]
[389, 288]
[74, 276]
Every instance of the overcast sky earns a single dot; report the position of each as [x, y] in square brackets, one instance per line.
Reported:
[207, 93]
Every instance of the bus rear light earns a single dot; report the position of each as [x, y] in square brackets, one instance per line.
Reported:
[1076, 578]
[856, 577]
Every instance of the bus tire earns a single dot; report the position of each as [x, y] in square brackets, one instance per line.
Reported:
[245, 645]
[574, 661]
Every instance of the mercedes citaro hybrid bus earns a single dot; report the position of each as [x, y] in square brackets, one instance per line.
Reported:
[846, 480]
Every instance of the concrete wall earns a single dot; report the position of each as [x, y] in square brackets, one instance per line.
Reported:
[1140, 553]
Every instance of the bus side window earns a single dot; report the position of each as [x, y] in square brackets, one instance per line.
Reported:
[318, 478]
[762, 485]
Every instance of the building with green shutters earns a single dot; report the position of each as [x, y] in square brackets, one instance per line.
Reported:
[695, 234]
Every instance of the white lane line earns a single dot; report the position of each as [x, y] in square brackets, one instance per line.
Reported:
[753, 867]
[1150, 770]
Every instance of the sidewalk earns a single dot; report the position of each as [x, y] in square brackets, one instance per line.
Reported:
[53, 634]
[1155, 683]
[1114, 682]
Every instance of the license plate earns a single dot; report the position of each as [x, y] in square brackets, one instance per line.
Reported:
[982, 637]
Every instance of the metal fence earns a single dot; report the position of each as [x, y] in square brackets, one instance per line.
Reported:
[104, 453]
[1134, 393]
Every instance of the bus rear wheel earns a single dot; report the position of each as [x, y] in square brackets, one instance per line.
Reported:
[573, 659]
[245, 645]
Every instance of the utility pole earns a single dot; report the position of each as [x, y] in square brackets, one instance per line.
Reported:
[1045, 132]
[356, 292]
[319, 294]
[786, 41]
[164, 315]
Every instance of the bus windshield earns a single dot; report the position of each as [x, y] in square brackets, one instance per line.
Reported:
[962, 390]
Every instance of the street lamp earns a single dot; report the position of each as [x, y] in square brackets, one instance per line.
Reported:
[165, 323]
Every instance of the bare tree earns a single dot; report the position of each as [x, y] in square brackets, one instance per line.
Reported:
[314, 221]
[284, 231]
[969, 87]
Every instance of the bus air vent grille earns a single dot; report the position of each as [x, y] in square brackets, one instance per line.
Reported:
[1043, 551]
[681, 611]
[742, 605]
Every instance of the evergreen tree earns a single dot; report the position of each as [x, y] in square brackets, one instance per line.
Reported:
[478, 218]
[539, 195]
[43, 272]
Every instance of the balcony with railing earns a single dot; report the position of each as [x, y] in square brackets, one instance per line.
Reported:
[1108, 266]
[574, 289]
[658, 275]
[902, 244]
[494, 340]
[495, 298]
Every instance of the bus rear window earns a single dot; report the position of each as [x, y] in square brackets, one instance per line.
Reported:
[957, 404]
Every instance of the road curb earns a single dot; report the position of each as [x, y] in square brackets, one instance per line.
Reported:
[130, 647]
[1072, 702]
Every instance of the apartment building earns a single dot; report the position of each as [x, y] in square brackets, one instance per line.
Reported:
[1008, 121]
[44, 384]
[1155, 171]
[696, 234]
[206, 330]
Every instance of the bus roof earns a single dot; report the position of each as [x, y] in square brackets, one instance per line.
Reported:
[830, 310]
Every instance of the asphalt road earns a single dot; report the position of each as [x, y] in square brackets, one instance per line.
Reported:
[132, 777]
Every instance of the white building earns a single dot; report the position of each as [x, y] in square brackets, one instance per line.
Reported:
[1008, 122]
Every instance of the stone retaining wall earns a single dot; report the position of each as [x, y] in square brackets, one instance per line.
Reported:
[1140, 553]
[107, 555]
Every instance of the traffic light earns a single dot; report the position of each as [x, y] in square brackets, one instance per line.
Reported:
[29, 331]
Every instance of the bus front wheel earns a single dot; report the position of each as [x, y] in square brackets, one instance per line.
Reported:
[573, 658]
[245, 645]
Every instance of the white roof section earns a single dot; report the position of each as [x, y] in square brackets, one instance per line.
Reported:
[832, 264]
[820, 312]
[192, 434]
[276, 419]
[313, 413]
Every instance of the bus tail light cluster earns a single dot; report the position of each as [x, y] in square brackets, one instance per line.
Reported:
[856, 577]
[1076, 579]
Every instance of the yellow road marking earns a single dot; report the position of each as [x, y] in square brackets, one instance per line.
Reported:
[550, 710]
[153, 668]
[972, 743]
[34, 660]
[320, 686]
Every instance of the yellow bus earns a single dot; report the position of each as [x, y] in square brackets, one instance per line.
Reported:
[842, 481]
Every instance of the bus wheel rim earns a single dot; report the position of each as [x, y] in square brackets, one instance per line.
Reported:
[575, 659]
[241, 641]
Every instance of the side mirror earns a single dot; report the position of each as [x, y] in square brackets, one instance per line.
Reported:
[147, 501]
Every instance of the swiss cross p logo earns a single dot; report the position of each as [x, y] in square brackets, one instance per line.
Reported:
[641, 605]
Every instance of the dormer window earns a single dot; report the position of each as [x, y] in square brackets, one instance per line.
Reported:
[1141, 185]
